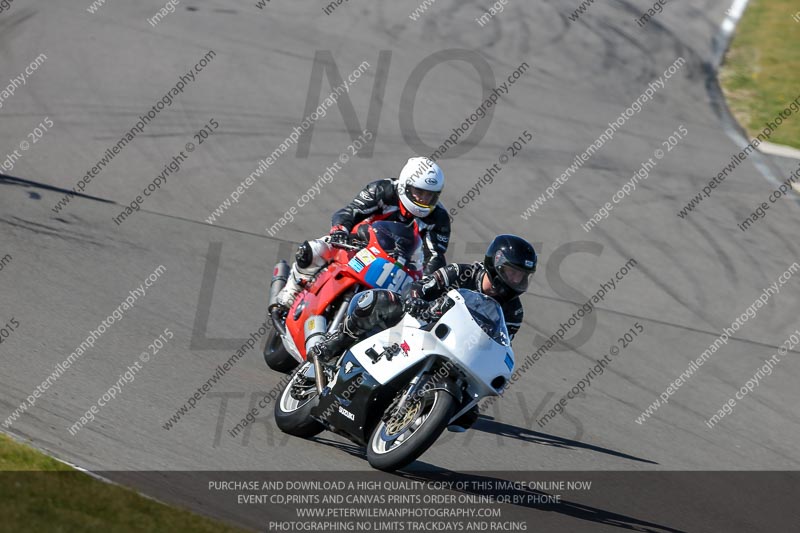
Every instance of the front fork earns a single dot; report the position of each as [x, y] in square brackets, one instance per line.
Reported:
[319, 374]
[414, 385]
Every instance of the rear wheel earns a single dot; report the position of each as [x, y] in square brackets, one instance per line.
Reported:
[405, 434]
[293, 408]
[276, 355]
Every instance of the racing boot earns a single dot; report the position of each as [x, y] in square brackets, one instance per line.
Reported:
[310, 258]
[372, 310]
[294, 284]
[335, 342]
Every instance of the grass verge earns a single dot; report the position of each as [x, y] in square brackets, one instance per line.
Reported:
[761, 72]
[38, 493]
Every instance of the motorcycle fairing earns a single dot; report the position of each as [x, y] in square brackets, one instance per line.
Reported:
[477, 354]
[328, 287]
[371, 267]
[355, 392]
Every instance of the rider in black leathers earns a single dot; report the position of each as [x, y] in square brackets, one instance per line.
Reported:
[504, 274]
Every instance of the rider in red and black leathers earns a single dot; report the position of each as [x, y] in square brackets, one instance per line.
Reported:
[413, 195]
[381, 200]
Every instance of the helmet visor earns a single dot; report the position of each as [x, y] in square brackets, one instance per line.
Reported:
[421, 197]
[515, 277]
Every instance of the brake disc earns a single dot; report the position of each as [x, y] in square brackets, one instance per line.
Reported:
[395, 425]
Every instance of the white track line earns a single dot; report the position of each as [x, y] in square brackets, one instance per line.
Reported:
[779, 150]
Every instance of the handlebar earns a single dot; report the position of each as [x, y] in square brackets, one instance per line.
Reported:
[347, 242]
[351, 242]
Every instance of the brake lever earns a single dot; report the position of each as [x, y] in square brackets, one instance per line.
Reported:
[350, 244]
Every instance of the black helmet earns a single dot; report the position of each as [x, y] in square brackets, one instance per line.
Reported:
[510, 261]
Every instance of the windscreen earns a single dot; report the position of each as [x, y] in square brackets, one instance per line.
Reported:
[400, 240]
[488, 314]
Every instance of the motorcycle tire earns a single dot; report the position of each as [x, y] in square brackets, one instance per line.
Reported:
[441, 411]
[276, 356]
[293, 416]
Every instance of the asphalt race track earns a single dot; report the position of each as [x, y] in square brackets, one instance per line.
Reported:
[69, 270]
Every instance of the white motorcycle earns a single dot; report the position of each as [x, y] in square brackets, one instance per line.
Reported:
[396, 391]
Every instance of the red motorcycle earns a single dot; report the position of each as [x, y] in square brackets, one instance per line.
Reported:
[377, 254]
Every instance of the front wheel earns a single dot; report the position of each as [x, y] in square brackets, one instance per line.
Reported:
[403, 436]
[293, 408]
[276, 355]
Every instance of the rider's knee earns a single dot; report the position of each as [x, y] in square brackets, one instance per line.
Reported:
[360, 318]
[304, 256]
[314, 253]
[375, 309]
[364, 305]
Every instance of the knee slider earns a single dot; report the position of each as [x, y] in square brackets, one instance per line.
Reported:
[365, 304]
[304, 256]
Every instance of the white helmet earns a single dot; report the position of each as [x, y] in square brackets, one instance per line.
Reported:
[419, 185]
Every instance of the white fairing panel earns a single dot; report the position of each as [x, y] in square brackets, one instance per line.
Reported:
[479, 357]
[288, 343]
[406, 331]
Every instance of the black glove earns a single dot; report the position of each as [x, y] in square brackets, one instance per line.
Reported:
[439, 306]
[415, 306]
[339, 235]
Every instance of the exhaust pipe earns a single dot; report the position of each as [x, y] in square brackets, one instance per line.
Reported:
[279, 276]
[314, 329]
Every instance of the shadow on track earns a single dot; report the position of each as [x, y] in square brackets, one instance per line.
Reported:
[489, 425]
[566, 508]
